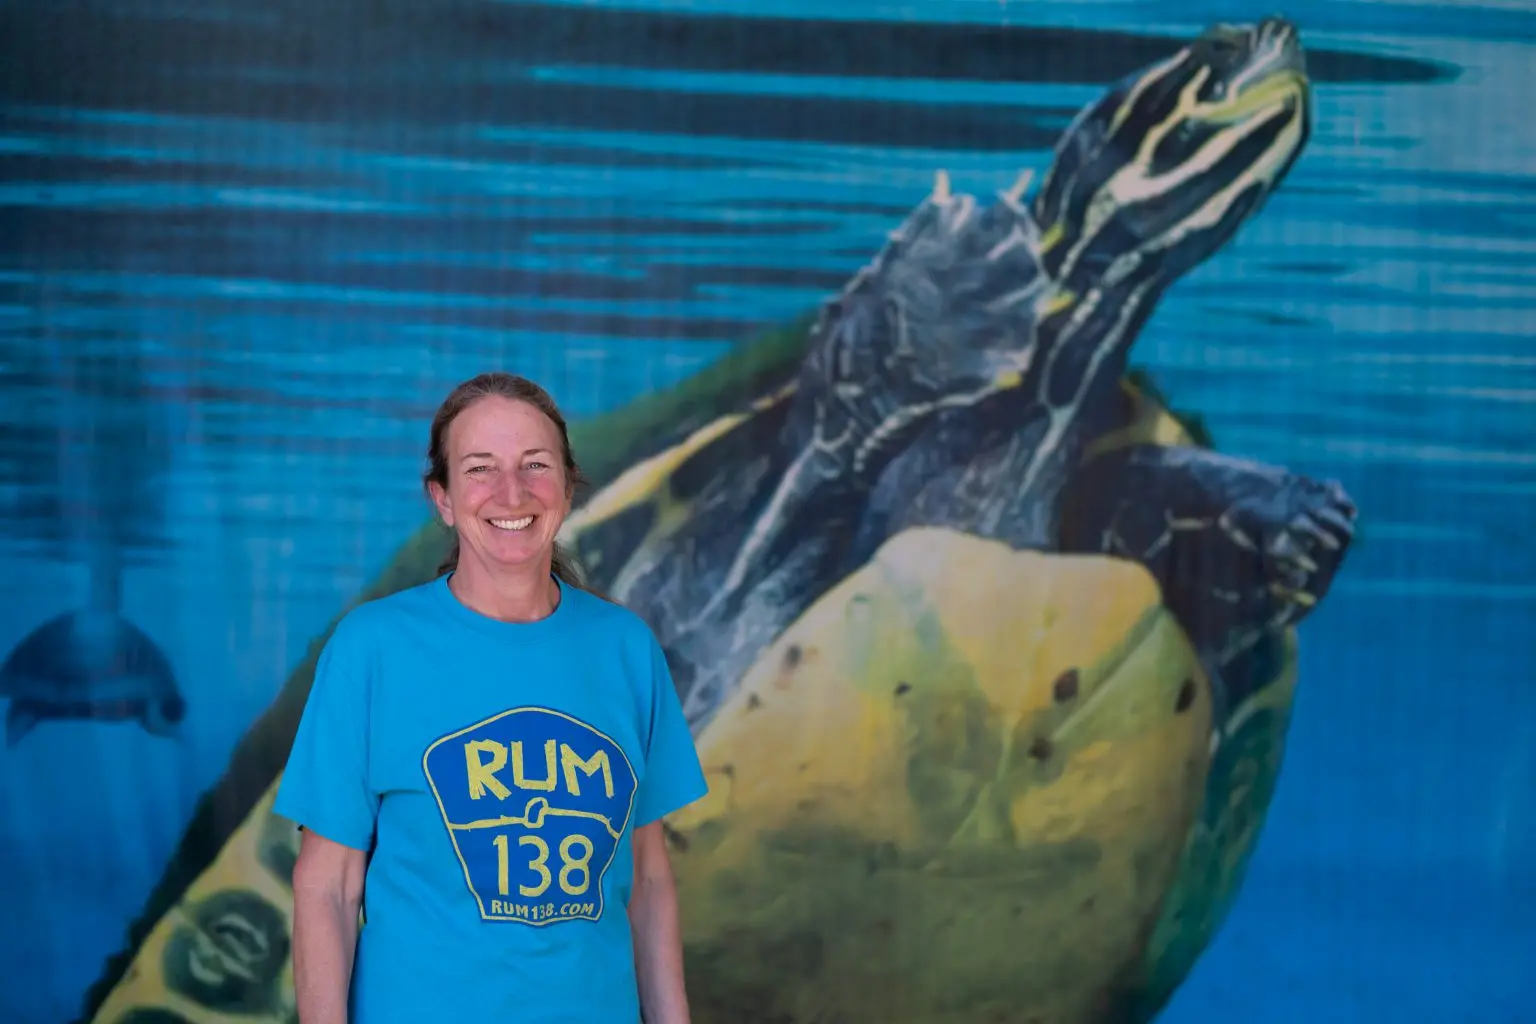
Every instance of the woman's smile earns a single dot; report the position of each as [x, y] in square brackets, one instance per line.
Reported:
[513, 524]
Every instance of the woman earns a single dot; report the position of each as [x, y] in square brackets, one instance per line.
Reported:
[487, 758]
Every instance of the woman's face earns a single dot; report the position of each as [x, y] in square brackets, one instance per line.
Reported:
[507, 491]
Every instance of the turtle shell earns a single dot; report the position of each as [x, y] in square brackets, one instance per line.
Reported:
[222, 953]
[971, 768]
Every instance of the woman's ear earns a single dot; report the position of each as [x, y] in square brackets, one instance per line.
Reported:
[440, 501]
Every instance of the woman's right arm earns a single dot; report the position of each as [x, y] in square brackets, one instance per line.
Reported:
[327, 791]
[327, 894]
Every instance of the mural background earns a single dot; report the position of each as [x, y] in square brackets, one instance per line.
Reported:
[245, 250]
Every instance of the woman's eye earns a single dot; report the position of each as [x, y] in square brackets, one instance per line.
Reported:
[537, 465]
[478, 469]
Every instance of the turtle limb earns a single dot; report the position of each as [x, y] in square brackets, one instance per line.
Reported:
[935, 324]
[1241, 550]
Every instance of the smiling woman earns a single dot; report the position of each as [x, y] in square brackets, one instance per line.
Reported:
[507, 432]
[484, 761]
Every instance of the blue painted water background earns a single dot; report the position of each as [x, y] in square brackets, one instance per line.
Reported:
[224, 326]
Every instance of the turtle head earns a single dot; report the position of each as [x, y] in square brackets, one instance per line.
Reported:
[1156, 176]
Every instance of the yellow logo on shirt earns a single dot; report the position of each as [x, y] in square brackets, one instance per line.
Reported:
[535, 803]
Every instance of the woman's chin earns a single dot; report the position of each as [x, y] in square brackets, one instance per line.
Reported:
[517, 550]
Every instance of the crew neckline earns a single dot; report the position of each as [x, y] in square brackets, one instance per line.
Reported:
[517, 632]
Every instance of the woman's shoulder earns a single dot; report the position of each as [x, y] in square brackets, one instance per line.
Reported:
[602, 617]
[595, 611]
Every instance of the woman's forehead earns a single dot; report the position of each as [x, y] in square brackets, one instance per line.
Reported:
[503, 425]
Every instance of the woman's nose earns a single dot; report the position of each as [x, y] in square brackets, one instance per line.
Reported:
[511, 488]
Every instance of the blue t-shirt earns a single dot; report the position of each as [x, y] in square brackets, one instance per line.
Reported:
[497, 772]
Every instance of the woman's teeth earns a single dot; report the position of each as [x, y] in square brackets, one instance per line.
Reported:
[513, 524]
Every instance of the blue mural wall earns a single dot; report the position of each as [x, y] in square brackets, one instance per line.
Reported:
[246, 249]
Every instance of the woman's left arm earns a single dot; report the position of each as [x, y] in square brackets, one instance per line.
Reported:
[653, 924]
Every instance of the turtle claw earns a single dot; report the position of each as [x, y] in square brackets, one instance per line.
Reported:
[1306, 551]
[941, 186]
[1286, 548]
[1015, 192]
[1314, 530]
[1327, 527]
[1341, 519]
[1293, 596]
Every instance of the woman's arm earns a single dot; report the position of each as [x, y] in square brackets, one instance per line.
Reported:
[327, 892]
[653, 923]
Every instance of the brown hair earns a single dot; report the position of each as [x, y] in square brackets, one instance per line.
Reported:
[520, 389]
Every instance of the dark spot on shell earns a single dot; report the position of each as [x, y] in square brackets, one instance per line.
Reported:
[903, 688]
[1041, 748]
[1066, 686]
[792, 656]
[675, 837]
[881, 858]
[728, 770]
[278, 848]
[754, 702]
[803, 766]
[1088, 904]
[1186, 696]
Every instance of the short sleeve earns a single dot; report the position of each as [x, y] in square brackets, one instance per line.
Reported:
[673, 777]
[325, 786]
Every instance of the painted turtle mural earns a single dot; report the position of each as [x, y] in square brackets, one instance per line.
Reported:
[988, 653]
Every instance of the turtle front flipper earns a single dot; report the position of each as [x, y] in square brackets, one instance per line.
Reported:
[938, 323]
[1242, 550]
[736, 548]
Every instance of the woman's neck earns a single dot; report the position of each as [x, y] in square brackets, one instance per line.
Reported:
[509, 596]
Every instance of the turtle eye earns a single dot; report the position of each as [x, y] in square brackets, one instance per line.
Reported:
[1223, 47]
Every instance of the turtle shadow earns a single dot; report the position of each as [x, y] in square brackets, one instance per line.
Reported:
[89, 456]
[90, 664]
